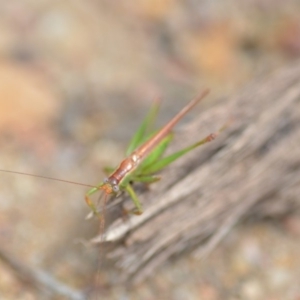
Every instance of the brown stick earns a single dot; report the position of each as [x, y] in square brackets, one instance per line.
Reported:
[40, 279]
[252, 168]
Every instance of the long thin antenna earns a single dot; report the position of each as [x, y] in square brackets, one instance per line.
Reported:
[49, 178]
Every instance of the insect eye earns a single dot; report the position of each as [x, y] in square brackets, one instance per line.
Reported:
[115, 188]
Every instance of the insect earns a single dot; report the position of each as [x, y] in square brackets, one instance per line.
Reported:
[144, 158]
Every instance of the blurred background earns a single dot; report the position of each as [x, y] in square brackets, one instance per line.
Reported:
[76, 78]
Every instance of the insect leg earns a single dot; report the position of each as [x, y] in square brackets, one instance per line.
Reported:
[162, 163]
[89, 201]
[138, 207]
[146, 178]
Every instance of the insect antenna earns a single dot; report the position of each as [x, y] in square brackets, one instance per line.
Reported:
[46, 177]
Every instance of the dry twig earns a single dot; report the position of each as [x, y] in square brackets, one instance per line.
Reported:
[253, 168]
[40, 279]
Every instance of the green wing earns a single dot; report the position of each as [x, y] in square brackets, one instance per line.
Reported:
[143, 132]
[157, 153]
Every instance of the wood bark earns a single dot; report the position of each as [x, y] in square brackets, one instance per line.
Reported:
[251, 169]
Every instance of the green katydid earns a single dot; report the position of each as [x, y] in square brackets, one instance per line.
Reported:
[144, 157]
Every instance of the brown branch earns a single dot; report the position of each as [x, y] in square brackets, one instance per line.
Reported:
[40, 279]
[253, 168]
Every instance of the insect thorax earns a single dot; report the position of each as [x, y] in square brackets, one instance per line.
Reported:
[126, 167]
